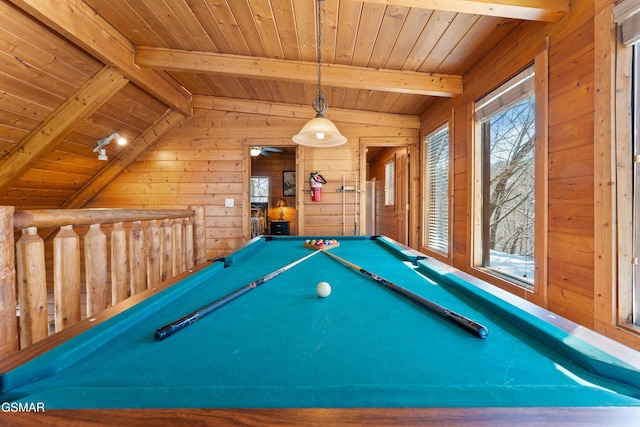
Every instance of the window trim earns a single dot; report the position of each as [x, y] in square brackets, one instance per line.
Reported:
[539, 292]
[624, 190]
[612, 91]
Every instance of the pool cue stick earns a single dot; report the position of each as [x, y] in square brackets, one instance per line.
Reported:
[469, 325]
[177, 325]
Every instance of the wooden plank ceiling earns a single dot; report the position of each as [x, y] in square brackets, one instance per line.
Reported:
[72, 74]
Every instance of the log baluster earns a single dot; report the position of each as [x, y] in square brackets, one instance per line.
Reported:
[32, 287]
[95, 261]
[154, 275]
[66, 277]
[119, 264]
[166, 250]
[177, 259]
[137, 258]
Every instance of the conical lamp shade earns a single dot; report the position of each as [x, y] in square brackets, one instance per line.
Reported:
[319, 132]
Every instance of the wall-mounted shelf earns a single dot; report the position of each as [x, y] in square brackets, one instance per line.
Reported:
[347, 189]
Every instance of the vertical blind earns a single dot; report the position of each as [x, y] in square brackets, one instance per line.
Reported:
[437, 190]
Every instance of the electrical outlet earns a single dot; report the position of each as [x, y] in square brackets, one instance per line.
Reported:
[228, 203]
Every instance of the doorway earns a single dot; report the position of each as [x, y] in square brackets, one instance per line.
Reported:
[388, 190]
[274, 210]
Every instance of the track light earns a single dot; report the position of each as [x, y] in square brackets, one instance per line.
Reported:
[102, 152]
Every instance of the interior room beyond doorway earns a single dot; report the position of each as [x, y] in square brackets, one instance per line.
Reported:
[273, 207]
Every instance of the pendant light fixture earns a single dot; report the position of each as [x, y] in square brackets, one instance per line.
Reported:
[319, 131]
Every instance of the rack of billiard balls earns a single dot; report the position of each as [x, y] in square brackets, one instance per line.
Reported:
[321, 244]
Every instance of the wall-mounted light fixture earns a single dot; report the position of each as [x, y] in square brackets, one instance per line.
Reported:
[102, 152]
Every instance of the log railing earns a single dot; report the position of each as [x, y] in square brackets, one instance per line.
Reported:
[141, 253]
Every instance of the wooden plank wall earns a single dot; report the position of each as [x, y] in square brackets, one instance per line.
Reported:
[326, 218]
[570, 281]
[205, 160]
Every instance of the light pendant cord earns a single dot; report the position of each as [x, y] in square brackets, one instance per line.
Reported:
[319, 104]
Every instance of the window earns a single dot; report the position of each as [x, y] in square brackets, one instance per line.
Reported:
[259, 189]
[627, 159]
[436, 191]
[506, 121]
[390, 183]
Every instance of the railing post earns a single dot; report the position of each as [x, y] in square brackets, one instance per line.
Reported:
[95, 261]
[119, 264]
[66, 277]
[8, 321]
[188, 244]
[137, 258]
[32, 287]
[199, 235]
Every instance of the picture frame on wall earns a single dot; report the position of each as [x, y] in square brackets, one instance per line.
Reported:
[289, 183]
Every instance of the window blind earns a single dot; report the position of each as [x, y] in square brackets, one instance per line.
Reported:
[389, 183]
[437, 191]
[516, 89]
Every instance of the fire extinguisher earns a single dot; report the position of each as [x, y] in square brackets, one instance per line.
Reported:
[316, 180]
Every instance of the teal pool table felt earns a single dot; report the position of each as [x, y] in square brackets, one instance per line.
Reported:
[281, 345]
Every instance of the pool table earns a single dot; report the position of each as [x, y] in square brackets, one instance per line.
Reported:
[280, 354]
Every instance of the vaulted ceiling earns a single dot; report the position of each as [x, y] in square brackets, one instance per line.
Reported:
[73, 71]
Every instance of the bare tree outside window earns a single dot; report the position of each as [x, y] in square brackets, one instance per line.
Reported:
[506, 160]
[508, 199]
[259, 189]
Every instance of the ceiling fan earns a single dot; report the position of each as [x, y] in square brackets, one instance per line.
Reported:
[264, 151]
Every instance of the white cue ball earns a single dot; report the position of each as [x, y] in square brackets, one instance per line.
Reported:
[323, 289]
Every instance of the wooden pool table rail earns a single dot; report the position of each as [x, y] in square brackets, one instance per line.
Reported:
[331, 417]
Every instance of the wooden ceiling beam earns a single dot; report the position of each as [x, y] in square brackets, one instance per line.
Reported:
[79, 107]
[530, 10]
[133, 149]
[345, 76]
[274, 109]
[76, 21]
